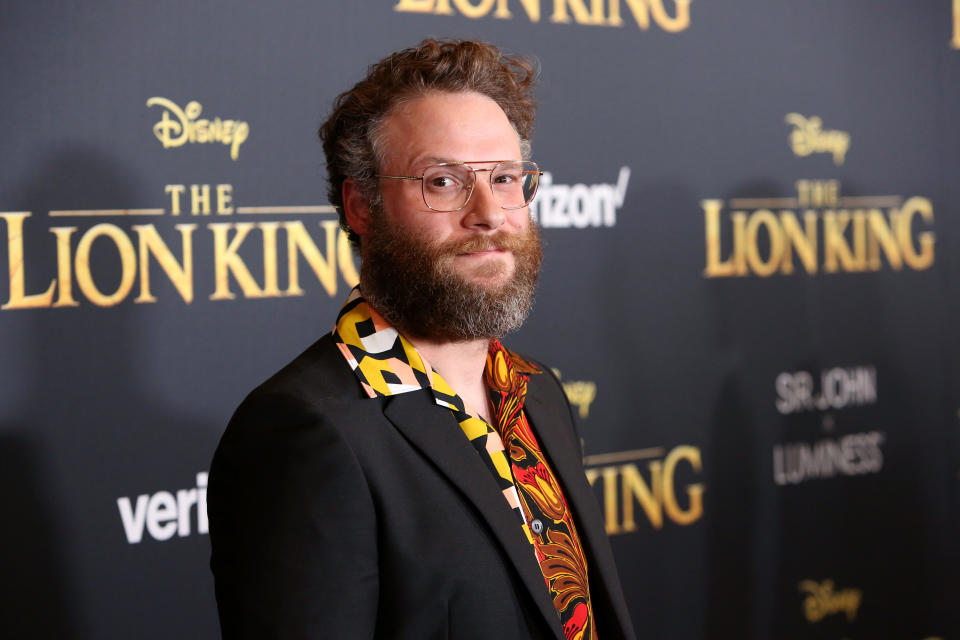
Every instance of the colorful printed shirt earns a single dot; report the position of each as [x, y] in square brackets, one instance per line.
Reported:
[387, 364]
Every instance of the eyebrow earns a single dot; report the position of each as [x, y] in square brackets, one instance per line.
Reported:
[434, 160]
[420, 163]
[440, 160]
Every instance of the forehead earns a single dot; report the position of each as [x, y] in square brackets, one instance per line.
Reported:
[447, 126]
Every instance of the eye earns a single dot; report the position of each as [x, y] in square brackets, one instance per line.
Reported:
[450, 178]
[441, 181]
[508, 174]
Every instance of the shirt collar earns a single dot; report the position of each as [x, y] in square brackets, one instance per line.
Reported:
[383, 360]
[387, 364]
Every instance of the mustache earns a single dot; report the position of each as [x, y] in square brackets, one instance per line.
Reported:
[500, 240]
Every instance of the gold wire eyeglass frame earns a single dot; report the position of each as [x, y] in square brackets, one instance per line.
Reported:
[466, 163]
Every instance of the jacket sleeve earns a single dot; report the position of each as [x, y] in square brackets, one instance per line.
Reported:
[292, 527]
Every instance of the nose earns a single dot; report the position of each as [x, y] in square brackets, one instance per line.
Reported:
[483, 212]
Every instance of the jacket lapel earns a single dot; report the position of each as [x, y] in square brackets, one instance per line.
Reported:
[551, 423]
[434, 431]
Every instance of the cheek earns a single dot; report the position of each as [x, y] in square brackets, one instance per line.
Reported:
[408, 211]
[428, 227]
[519, 219]
[437, 229]
[402, 200]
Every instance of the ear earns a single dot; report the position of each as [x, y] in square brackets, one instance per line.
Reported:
[356, 209]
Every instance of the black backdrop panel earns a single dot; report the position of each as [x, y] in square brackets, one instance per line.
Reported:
[749, 291]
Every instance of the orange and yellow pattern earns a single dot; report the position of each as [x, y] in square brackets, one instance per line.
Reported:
[545, 510]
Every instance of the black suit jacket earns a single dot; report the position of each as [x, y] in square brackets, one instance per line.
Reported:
[335, 515]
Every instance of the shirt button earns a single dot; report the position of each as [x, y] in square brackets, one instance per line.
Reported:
[537, 527]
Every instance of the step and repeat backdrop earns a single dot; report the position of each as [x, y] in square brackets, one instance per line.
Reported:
[750, 291]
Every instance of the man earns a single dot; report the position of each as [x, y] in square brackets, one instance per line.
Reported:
[407, 476]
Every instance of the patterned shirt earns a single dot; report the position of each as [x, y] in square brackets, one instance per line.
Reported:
[387, 364]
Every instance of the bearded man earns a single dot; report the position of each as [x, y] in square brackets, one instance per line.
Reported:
[408, 476]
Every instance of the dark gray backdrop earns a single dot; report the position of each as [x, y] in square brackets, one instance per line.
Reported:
[107, 403]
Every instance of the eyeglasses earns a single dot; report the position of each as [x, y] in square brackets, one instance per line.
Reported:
[448, 186]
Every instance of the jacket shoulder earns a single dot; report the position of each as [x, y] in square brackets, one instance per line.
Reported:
[315, 396]
[319, 372]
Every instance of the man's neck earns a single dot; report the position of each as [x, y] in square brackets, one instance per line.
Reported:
[462, 365]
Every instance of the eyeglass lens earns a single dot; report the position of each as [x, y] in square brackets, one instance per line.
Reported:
[447, 187]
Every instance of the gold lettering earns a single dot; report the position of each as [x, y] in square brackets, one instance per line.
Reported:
[818, 193]
[860, 239]
[716, 267]
[224, 198]
[596, 10]
[882, 235]
[613, 14]
[175, 191]
[739, 219]
[240, 135]
[200, 199]
[226, 261]
[18, 297]
[64, 277]
[657, 497]
[836, 251]
[592, 475]
[651, 500]
[694, 491]
[831, 192]
[580, 393]
[171, 133]
[956, 25]
[299, 243]
[581, 14]
[414, 6]
[610, 500]
[271, 288]
[853, 240]
[128, 265]
[924, 258]
[822, 600]
[808, 136]
[760, 266]
[643, 9]
[804, 242]
[532, 7]
[180, 273]
[803, 193]
[671, 25]
[474, 11]
[188, 127]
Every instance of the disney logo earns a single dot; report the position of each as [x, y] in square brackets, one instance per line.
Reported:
[179, 126]
[579, 392]
[822, 600]
[809, 136]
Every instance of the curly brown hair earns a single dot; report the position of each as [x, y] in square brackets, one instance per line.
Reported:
[350, 135]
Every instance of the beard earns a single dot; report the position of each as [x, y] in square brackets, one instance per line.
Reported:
[413, 284]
